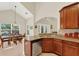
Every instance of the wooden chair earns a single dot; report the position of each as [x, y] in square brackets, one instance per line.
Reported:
[9, 41]
[1, 42]
[14, 39]
[19, 38]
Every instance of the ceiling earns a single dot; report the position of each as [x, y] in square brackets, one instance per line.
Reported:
[46, 20]
[20, 9]
[4, 6]
[33, 7]
[30, 6]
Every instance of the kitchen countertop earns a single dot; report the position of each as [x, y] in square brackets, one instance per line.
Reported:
[37, 37]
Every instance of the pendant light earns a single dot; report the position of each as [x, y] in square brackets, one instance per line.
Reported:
[15, 15]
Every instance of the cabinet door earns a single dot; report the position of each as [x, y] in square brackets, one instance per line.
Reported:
[47, 45]
[63, 19]
[73, 16]
[69, 17]
[69, 50]
[58, 46]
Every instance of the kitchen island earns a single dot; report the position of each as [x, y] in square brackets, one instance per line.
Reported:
[51, 43]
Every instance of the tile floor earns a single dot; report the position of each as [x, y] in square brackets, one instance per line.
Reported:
[48, 54]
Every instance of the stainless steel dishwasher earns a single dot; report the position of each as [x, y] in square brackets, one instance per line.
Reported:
[36, 48]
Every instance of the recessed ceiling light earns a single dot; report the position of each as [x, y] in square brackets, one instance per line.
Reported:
[26, 13]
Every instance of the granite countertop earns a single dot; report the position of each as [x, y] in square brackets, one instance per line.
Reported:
[32, 38]
[37, 37]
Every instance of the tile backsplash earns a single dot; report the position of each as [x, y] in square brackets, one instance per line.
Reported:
[63, 31]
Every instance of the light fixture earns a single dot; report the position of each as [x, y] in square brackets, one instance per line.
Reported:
[26, 13]
[15, 15]
[35, 26]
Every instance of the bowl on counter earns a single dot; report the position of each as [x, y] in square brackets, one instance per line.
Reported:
[76, 35]
[72, 35]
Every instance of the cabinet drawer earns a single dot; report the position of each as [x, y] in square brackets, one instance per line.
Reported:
[47, 45]
[69, 50]
[71, 43]
[58, 41]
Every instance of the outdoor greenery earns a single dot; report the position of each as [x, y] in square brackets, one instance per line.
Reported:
[7, 28]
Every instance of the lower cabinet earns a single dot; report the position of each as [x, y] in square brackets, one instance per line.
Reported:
[70, 50]
[60, 47]
[57, 46]
[52, 45]
[47, 45]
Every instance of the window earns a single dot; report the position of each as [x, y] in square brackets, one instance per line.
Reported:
[7, 29]
[28, 30]
[45, 29]
[15, 29]
[42, 29]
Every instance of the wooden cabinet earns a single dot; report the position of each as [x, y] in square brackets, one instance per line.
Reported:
[62, 20]
[70, 49]
[57, 46]
[52, 45]
[60, 47]
[69, 17]
[47, 45]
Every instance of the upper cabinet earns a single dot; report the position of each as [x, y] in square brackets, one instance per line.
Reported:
[69, 17]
